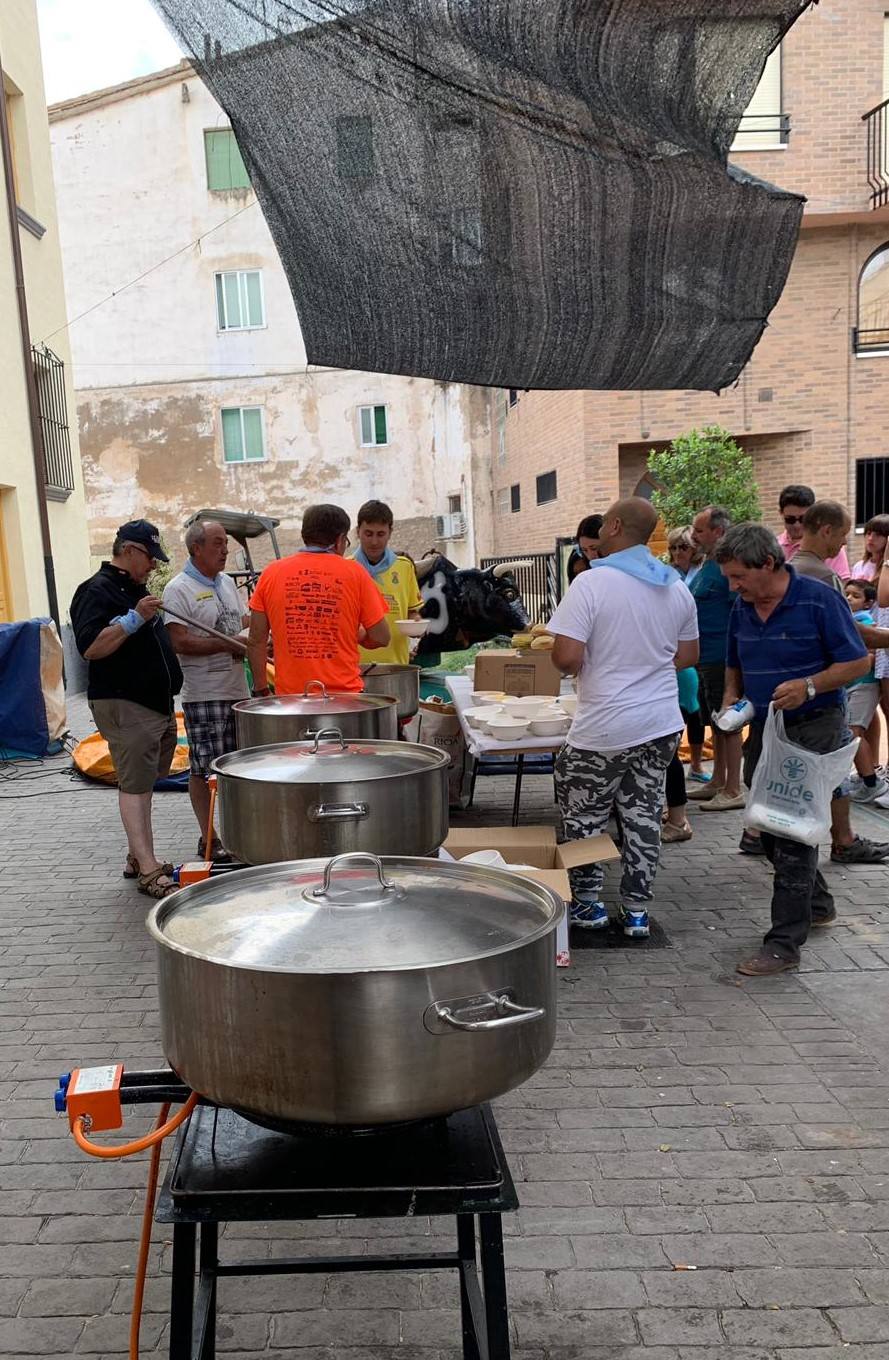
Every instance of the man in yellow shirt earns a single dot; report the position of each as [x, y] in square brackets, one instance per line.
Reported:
[395, 579]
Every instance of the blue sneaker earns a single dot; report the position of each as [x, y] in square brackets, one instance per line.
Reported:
[588, 915]
[699, 777]
[634, 922]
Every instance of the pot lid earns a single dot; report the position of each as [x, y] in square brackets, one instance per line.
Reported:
[355, 913]
[314, 702]
[329, 759]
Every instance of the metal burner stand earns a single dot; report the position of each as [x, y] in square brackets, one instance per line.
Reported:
[225, 1170]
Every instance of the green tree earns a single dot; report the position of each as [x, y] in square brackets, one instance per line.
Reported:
[703, 467]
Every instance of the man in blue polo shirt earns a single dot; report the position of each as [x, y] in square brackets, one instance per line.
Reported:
[792, 642]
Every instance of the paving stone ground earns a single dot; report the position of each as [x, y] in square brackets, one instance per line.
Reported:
[686, 1119]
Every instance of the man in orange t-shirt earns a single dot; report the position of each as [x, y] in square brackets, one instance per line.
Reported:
[318, 606]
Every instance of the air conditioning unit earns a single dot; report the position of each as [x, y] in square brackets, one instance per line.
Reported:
[450, 526]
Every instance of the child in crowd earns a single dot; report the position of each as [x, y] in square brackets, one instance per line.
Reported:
[863, 696]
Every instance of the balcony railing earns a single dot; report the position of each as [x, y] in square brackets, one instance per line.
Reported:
[877, 125]
[49, 372]
[874, 340]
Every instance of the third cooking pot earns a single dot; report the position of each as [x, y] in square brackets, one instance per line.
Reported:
[296, 717]
[329, 795]
[402, 682]
[357, 991]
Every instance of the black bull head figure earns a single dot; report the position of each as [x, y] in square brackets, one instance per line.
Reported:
[465, 606]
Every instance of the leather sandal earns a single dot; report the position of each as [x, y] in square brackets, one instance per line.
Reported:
[132, 870]
[153, 886]
[671, 833]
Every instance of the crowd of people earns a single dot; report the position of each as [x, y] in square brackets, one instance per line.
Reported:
[659, 649]
[319, 612]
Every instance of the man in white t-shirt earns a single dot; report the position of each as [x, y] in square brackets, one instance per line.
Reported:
[213, 673]
[624, 628]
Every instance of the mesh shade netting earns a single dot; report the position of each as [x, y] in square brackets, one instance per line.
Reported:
[520, 193]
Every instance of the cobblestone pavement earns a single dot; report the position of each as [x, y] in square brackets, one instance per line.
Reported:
[686, 1119]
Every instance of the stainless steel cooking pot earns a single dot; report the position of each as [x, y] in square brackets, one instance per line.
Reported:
[330, 795]
[403, 682]
[295, 717]
[357, 991]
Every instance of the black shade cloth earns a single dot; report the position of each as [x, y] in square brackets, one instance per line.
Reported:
[521, 193]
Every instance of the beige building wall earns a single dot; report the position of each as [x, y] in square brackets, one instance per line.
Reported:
[807, 406]
[22, 582]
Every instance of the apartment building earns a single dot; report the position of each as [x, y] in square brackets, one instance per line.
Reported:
[811, 405]
[40, 476]
[192, 384]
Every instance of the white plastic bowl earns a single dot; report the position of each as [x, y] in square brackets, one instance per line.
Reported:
[549, 727]
[485, 698]
[477, 717]
[528, 707]
[412, 627]
[508, 729]
[568, 704]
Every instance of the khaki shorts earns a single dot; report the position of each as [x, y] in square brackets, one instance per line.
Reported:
[140, 740]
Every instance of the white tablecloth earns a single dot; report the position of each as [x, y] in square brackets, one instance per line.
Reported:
[479, 743]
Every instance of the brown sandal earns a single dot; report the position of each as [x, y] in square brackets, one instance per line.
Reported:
[151, 884]
[132, 870]
[670, 833]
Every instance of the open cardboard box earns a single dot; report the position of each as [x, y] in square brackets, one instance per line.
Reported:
[536, 845]
[520, 672]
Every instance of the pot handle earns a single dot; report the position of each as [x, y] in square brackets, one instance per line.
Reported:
[339, 860]
[508, 1013]
[337, 812]
[319, 684]
[327, 732]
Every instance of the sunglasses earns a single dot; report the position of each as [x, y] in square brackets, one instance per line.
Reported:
[793, 519]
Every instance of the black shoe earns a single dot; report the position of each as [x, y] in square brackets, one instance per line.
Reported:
[829, 920]
[751, 845]
[861, 851]
[220, 854]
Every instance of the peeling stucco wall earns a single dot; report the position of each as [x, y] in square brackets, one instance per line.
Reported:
[153, 371]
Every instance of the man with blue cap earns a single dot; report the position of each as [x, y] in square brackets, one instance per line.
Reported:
[134, 677]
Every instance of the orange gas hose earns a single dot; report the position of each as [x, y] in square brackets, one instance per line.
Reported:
[140, 1144]
[145, 1237]
[209, 837]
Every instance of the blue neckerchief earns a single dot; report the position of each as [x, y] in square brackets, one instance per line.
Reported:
[191, 570]
[639, 563]
[375, 568]
[314, 548]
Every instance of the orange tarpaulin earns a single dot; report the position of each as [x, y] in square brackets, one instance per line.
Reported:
[93, 759]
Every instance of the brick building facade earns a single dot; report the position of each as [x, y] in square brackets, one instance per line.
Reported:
[811, 404]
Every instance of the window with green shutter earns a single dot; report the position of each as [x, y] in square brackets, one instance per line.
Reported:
[374, 426]
[225, 166]
[239, 300]
[243, 438]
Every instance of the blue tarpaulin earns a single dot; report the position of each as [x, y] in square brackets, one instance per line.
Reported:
[23, 726]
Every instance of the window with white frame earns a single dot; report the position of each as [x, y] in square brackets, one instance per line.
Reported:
[373, 426]
[239, 300]
[243, 436]
[765, 125]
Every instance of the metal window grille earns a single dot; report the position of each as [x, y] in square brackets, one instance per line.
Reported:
[871, 488]
[537, 583]
[49, 373]
[547, 489]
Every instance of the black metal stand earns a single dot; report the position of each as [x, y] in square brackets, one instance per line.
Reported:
[226, 1169]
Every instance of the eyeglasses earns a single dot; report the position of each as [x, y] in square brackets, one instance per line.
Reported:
[793, 519]
[139, 548]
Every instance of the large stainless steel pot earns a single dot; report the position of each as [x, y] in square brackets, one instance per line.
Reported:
[295, 717]
[328, 796]
[403, 682]
[357, 991]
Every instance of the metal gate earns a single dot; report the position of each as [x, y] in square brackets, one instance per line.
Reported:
[538, 583]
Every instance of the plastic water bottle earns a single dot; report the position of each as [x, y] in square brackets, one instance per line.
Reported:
[736, 716]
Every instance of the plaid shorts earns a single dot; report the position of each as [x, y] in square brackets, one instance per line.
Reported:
[210, 728]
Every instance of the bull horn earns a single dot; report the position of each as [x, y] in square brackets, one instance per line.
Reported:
[505, 568]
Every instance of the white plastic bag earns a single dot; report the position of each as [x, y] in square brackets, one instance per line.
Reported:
[792, 786]
[436, 724]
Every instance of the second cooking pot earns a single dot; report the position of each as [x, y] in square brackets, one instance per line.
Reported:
[402, 682]
[298, 717]
[297, 800]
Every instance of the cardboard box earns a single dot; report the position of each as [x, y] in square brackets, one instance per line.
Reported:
[518, 672]
[536, 845]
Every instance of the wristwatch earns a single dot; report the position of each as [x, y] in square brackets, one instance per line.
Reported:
[261, 693]
[810, 688]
